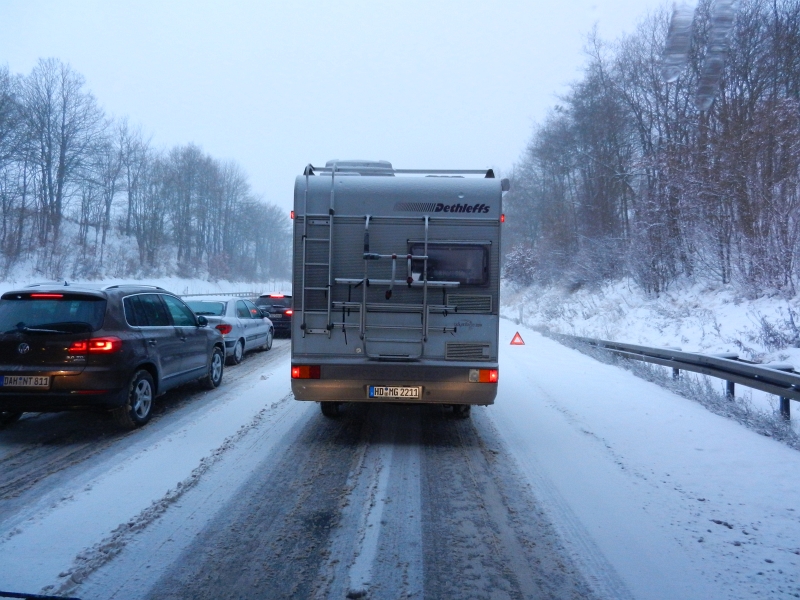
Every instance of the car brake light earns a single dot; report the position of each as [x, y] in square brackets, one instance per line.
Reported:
[103, 345]
[483, 375]
[276, 295]
[224, 328]
[47, 296]
[289, 312]
[79, 347]
[306, 372]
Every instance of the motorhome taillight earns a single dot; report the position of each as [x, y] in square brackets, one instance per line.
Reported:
[305, 372]
[483, 375]
[502, 218]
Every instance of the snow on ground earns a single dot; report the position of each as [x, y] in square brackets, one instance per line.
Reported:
[38, 549]
[695, 318]
[655, 496]
[681, 503]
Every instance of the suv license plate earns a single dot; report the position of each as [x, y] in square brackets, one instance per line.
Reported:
[385, 391]
[34, 381]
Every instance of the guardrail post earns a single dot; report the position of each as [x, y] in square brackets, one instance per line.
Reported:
[729, 390]
[786, 412]
[676, 373]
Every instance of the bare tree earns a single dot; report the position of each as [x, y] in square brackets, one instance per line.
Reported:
[63, 123]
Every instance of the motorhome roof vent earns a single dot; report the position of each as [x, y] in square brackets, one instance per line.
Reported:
[362, 167]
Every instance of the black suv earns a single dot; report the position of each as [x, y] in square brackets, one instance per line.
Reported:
[279, 310]
[114, 347]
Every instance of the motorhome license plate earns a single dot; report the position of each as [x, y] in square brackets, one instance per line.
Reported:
[36, 381]
[388, 391]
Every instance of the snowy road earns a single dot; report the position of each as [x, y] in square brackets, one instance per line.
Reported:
[581, 481]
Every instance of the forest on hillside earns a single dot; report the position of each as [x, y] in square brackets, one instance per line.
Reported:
[637, 175]
[86, 196]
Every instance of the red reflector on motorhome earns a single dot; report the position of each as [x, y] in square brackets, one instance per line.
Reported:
[291, 214]
[306, 372]
[483, 375]
[502, 218]
[488, 376]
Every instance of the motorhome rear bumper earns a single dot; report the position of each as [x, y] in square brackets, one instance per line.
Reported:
[440, 385]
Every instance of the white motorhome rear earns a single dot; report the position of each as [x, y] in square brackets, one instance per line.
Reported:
[396, 280]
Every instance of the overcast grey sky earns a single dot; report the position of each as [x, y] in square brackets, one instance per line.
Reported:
[276, 85]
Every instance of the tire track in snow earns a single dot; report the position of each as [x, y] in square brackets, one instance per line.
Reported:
[376, 550]
[43, 445]
[106, 550]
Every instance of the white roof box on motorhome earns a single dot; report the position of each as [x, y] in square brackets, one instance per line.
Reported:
[360, 167]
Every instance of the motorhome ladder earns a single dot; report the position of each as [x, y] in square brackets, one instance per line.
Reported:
[323, 240]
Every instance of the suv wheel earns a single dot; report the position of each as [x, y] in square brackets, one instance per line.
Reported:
[214, 376]
[138, 407]
[238, 353]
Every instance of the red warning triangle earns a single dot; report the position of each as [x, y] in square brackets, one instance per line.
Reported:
[517, 340]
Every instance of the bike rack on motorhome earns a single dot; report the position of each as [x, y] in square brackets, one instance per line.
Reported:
[396, 277]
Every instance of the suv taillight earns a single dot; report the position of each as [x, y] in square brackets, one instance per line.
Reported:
[102, 345]
[288, 312]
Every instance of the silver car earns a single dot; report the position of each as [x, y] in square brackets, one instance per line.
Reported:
[241, 323]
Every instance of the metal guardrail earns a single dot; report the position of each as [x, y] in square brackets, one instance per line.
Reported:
[235, 294]
[774, 378]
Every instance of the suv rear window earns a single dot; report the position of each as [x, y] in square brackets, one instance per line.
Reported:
[207, 308]
[54, 312]
[285, 301]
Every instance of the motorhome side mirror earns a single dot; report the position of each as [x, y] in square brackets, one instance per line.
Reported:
[201, 321]
[505, 184]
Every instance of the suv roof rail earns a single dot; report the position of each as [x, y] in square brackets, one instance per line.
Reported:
[138, 285]
[38, 283]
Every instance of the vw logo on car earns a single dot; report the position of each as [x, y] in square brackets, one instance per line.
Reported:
[23, 348]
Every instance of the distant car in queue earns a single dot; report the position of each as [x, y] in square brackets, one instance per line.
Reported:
[108, 347]
[279, 308]
[241, 323]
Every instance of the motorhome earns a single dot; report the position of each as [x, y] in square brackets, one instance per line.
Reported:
[396, 279]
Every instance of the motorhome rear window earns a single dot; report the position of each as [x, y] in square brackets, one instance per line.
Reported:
[468, 264]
